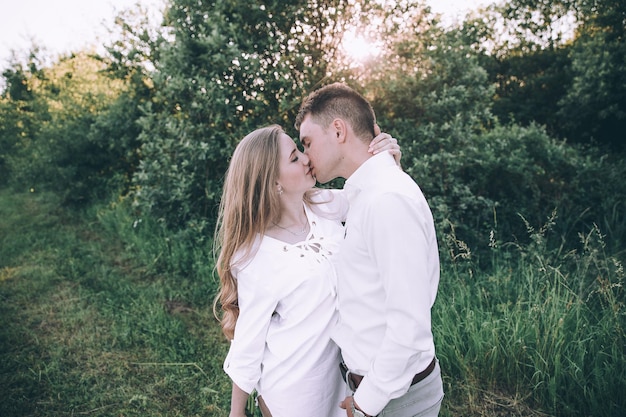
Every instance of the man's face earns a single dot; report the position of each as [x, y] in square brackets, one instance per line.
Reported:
[320, 145]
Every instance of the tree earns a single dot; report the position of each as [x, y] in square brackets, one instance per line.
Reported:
[594, 106]
[576, 88]
[526, 53]
[51, 113]
[232, 66]
[22, 114]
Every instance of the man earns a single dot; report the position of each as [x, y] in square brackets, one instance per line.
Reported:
[388, 270]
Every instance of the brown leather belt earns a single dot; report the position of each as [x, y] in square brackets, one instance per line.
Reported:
[356, 379]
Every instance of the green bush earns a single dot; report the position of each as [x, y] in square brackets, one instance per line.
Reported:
[74, 133]
[495, 180]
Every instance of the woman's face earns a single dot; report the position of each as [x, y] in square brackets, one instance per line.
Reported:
[294, 172]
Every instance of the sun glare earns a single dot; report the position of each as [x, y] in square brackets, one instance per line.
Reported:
[358, 47]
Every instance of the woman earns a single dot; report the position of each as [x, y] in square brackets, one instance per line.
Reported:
[276, 236]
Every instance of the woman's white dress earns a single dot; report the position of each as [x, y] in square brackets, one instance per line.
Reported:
[282, 345]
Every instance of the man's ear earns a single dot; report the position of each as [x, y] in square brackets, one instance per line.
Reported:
[341, 130]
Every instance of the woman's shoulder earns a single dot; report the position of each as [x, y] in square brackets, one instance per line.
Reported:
[248, 256]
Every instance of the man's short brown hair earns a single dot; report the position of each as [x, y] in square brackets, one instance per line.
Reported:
[339, 101]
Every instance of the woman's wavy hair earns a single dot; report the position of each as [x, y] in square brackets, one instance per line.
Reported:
[250, 203]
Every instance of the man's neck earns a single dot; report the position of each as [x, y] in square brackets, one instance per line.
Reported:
[356, 154]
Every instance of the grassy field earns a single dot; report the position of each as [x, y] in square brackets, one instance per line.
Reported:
[87, 329]
[104, 315]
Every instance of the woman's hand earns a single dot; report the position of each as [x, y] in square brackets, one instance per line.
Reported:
[349, 404]
[384, 142]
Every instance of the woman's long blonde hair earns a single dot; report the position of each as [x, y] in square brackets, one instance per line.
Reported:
[250, 202]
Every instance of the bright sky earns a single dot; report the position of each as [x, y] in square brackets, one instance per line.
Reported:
[62, 26]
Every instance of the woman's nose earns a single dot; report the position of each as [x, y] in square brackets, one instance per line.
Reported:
[305, 159]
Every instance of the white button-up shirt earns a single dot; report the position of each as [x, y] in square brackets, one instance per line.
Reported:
[388, 274]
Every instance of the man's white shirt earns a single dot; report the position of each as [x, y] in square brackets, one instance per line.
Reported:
[388, 275]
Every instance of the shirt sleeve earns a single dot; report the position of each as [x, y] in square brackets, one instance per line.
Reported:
[256, 306]
[400, 238]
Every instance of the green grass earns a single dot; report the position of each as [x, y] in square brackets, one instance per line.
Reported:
[105, 314]
[542, 327]
[88, 329]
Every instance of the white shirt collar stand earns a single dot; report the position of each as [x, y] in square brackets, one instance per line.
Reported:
[367, 173]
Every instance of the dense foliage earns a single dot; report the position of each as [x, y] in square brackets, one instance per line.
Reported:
[160, 121]
[63, 129]
[575, 86]
[506, 121]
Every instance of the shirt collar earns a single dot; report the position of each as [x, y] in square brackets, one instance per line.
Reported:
[367, 173]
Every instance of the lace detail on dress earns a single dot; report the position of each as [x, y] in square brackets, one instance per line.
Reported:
[316, 249]
[312, 247]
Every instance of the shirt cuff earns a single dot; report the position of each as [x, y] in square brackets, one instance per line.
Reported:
[370, 399]
[246, 384]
